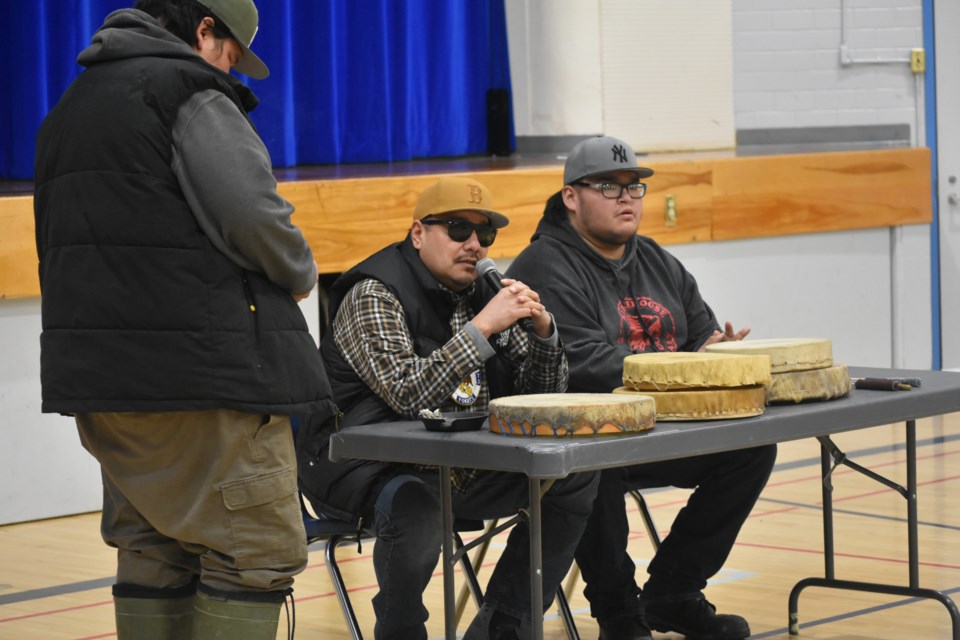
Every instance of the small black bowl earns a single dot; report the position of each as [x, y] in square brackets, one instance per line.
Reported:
[456, 421]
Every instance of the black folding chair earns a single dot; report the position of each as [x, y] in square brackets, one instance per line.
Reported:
[334, 533]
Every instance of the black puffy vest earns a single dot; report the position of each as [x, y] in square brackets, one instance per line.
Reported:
[339, 489]
[140, 311]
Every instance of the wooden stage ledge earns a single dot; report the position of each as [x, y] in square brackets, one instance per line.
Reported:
[715, 198]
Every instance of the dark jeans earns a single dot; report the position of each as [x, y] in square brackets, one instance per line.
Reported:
[726, 485]
[406, 518]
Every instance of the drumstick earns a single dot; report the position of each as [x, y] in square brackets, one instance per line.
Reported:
[883, 384]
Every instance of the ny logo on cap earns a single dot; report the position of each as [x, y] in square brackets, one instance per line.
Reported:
[619, 153]
[476, 196]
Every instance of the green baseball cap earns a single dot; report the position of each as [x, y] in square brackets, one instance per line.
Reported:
[241, 18]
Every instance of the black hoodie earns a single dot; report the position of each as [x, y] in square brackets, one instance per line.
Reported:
[606, 310]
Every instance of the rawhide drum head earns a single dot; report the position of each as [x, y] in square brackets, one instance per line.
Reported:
[802, 386]
[786, 354]
[706, 404]
[571, 414]
[664, 371]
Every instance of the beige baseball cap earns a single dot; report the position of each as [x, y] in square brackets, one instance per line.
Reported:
[242, 18]
[455, 193]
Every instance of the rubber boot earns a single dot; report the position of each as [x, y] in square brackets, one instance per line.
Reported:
[217, 618]
[154, 618]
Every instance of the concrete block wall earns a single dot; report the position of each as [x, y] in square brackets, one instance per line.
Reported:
[819, 63]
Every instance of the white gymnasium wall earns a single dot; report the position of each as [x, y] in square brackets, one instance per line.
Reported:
[658, 74]
[685, 74]
[44, 471]
[867, 290]
[554, 65]
[831, 285]
[805, 63]
[711, 69]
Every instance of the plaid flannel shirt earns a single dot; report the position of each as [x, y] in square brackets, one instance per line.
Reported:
[371, 331]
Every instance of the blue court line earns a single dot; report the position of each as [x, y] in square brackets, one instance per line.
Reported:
[583, 611]
[864, 514]
[898, 446]
[807, 462]
[58, 590]
[850, 614]
[722, 576]
[815, 462]
[860, 612]
[733, 575]
[86, 585]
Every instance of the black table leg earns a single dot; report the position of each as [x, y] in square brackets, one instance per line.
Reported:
[831, 457]
[536, 563]
[446, 515]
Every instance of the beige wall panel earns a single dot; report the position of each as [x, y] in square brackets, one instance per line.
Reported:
[668, 73]
[555, 66]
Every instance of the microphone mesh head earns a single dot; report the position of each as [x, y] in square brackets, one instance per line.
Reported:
[485, 266]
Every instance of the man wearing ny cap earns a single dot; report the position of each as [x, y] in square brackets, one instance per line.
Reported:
[614, 293]
[170, 272]
[414, 328]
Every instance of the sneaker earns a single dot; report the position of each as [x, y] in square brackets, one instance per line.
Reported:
[626, 628]
[695, 618]
[490, 624]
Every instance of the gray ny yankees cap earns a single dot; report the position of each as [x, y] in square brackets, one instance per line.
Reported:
[599, 155]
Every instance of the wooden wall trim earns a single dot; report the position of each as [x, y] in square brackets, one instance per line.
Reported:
[754, 197]
[345, 220]
[18, 249]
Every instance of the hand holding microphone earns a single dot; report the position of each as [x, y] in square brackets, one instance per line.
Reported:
[487, 270]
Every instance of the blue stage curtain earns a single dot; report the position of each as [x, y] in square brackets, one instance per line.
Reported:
[350, 82]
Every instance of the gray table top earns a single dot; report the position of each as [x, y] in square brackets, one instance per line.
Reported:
[558, 457]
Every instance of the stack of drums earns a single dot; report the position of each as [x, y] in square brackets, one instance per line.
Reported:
[802, 368]
[571, 414]
[698, 386]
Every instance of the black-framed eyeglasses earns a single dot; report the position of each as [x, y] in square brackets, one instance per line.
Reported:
[461, 230]
[613, 190]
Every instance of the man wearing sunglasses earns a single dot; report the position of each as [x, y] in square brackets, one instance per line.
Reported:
[614, 293]
[413, 328]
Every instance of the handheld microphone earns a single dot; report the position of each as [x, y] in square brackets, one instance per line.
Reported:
[487, 269]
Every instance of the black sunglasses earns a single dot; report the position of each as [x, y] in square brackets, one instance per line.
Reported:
[461, 230]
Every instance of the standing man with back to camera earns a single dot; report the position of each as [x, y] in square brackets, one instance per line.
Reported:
[170, 273]
[414, 328]
[614, 293]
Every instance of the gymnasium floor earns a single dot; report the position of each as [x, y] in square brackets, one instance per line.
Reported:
[55, 575]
